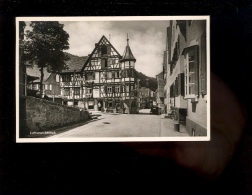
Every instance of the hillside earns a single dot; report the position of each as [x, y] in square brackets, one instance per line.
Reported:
[152, 82]
[75, 62]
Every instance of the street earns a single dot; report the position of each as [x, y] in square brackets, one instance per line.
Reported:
[123, 125]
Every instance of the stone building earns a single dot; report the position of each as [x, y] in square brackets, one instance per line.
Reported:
[185, 73]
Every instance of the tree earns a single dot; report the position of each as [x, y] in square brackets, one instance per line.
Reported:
[44, 46]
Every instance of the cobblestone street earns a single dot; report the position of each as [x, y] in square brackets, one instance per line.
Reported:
[125, 125]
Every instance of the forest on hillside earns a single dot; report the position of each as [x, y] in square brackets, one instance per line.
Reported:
[145, 81]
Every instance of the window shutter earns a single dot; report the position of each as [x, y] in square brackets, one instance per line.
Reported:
[176, 87]
[203, 73]
[182, 84]
[171, 91]
[179, 84]
[174, 90]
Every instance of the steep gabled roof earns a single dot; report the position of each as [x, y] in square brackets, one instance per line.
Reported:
[102, 40]
[128, 55]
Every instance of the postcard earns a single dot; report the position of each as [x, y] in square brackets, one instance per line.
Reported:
[112, 79]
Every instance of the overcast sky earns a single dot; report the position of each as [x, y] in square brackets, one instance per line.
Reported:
[146, 40]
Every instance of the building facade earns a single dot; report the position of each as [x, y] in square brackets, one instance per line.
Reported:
[185, 74]
[71, 82]
[160, 93]
[106, 81]
[146, 98]
[51, 84]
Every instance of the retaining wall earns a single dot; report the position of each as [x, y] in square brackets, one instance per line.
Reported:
[38, 115]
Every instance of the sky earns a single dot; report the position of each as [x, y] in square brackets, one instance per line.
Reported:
[146, 40]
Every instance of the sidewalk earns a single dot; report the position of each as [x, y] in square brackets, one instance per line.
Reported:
[168, 130]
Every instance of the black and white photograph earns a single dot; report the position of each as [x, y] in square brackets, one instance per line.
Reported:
[89, 79]
[125, 97]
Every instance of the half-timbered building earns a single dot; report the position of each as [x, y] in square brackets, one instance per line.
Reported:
[109, 79]
[71, 81]
[129, 81]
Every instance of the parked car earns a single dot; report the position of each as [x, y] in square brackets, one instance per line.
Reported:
[154, 110]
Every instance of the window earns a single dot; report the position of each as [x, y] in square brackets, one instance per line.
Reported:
[122, 88]
[191, 71]
[117, 89]
[127, 88]
[34, 86]
[104, 63]
[90, 103]
[65, 78]
[89, 91]
[66, 91]
[117, 74]
[104, 50]
[50, 87]
[109, 75]
[57, 78]
[77, 91]
[90, 76]
[112, 61]
[109, 89]
[203, 67]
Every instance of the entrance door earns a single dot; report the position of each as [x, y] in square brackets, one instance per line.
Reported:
[100, 105]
